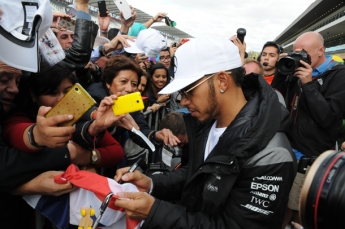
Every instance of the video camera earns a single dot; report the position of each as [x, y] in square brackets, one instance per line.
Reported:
[288, 64]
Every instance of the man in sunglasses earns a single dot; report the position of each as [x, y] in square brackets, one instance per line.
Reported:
[240, 165]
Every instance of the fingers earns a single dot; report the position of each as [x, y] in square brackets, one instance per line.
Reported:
[128, 195]
[119, 173]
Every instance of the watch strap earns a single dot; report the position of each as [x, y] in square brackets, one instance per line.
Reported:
[32, 137]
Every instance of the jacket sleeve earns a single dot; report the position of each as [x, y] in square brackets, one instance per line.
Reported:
[258, 199]
[15, 126]
[169, 187]
[326, 107]
[79, 53]
[110, 150]
[17, 168]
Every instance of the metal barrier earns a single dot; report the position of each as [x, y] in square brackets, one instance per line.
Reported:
[159, 115]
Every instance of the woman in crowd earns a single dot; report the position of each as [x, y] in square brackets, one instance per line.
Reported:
[46, 88]
[121, 77]
[158, 79]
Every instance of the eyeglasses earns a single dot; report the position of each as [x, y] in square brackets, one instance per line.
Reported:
[164, 58]
[184, 93]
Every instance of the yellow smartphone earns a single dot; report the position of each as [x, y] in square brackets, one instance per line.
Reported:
[128, 103]
[75, 102]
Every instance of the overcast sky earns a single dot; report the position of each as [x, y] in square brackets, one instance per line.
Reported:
[264, 20]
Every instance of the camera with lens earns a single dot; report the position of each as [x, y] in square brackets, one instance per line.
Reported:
[288, 64]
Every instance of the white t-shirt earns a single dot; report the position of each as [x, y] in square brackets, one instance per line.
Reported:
[213, 138]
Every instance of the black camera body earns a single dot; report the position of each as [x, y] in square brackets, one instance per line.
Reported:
[288, 64]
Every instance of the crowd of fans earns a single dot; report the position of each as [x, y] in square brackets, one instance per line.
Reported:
[246, 128]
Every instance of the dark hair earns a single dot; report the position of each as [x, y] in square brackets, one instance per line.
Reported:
[174, 122]
[48, 79]
[118, 63]
[237, 75]
[158, 66]
[273, 44]
[112, 33]
[166, 50]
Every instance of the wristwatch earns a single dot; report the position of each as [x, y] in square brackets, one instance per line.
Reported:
[94, 157]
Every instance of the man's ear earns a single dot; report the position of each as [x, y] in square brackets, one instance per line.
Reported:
[321, 51]
[224, 81]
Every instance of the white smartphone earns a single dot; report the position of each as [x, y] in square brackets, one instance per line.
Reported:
[123, 6]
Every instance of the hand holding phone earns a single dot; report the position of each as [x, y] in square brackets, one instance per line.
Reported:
[128, 103]
[123, 6]
[75, 102]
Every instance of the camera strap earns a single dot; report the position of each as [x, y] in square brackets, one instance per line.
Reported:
[295, 101]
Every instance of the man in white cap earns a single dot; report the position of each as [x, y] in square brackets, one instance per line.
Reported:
[241, 165]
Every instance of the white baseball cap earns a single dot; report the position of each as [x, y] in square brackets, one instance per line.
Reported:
[99, 40]
[21, 25]
[148, 41]
[201, 56]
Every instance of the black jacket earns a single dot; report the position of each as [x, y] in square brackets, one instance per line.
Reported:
[98, 91]
[246, 179]
[316, 109]
[80, 52]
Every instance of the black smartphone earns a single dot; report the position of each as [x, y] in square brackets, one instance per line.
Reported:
[174, 45]
[102, 9]
[241, 33]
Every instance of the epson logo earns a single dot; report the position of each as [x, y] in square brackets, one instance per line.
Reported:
[264, 187]
[270, 178]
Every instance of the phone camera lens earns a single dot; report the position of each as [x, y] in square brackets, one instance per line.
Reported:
[76, 89]
[137, 101]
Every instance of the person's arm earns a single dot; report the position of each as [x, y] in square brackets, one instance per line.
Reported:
[17, 168]
[126, 24]
[325, 106]
[110, 151]
[103, 23]
[158, 17]
[35, 136]
[84, 36]
[44, 184]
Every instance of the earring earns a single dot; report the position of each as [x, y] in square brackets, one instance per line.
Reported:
[221, 91]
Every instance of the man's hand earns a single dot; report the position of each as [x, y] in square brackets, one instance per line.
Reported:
[167, 137]
[104, 22]
[159, 16]
[44, 184]
[118, 42]
[48, 133]
[106, 118]
[56, 18]
[304, 73]
[141, 181]
[138, 206]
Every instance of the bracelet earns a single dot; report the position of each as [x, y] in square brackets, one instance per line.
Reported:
[123, 33]
[32, 138]
[153, 19]
[104, 31]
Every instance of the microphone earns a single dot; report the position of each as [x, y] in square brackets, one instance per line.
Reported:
[266, 64]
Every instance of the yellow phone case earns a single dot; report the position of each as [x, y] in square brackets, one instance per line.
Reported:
[75, 102]
[128, 103]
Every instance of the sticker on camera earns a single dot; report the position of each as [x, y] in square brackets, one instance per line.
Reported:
[167, 157]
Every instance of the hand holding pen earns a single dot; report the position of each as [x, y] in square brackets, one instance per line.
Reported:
[141, 181]
[131, 169]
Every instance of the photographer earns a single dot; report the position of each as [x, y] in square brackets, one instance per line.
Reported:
[314, 95]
